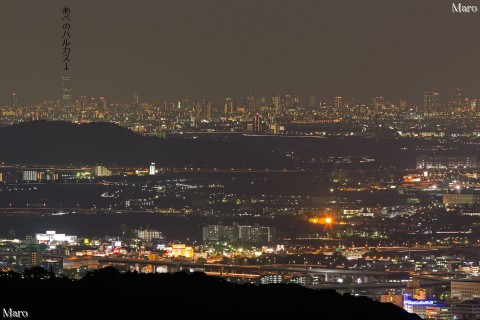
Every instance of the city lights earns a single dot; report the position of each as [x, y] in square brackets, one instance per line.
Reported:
[308, 154]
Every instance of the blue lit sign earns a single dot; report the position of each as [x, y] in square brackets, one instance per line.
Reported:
[419, 302]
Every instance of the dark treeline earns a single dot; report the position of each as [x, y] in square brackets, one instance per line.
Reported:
[109, 294]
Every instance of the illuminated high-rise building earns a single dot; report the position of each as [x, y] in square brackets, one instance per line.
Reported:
[246, 233]
[337, 102]
[104, 103]
[14, 101]
[228, 105]
[35, 258]
[149, 234]
[476, 105]
[312, 100]
[378, 103]
[403, 104]
[83, 102]
[66, 91]
[196, 109]
[430, 103]
[251, 101]
[151, 171]
[255, 101]
[30, 175]
[464, 290]
[208, 110]
[257, 126]
[460, 99]
[288, 101]
[276, 103]
[136, 101]
[101, 171]
[296, 101]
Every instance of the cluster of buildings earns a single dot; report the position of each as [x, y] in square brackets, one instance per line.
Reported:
[255, 113]
[238, 233]
[463, 302]
[405, 236]
[342, 268]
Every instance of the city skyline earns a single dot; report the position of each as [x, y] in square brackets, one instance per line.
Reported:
[161, 48]
[211, 148]
[64, 93]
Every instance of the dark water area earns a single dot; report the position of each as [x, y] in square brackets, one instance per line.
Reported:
[174, 227]
[27, 209]
[100, 224]
[399, 153]
[57, 195]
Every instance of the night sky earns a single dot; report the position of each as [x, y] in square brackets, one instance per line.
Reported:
[208, 48]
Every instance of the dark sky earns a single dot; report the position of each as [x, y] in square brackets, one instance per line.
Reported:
[208, 48]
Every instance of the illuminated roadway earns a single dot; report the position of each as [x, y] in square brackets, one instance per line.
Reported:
[160, 170]
[257, 269]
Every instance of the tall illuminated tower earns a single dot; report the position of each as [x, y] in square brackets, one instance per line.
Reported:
[378, 103]
[257, 125]
[276, 103]
[66, 91]
[430, 103]
[14, 101]
[228, 105]
[337, 102]
[209, 111]
[151, 171]
[104, 103]
[460, 99]
[136, 101]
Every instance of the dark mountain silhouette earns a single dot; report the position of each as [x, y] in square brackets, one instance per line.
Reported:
[44, 142]
[108, 294]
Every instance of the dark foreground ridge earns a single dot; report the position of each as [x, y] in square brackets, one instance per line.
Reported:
[64, 143]
[108, 294]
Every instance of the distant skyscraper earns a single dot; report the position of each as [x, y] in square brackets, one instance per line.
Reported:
[312, 101]
[197, 110]
[403, 104]
[276, 104]
[430, 103]
[152, 169]
[251, 102]
[378, 103]
[83, 102]
[14, 101]
[228, 105]
[296, 101]
[66, 91]
[208, 110]
[257, 123]
[136, 100]
[104, 102]
[477, 105]
[460, 98]
[337, 102]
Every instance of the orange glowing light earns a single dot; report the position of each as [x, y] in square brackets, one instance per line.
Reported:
[324, 220]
